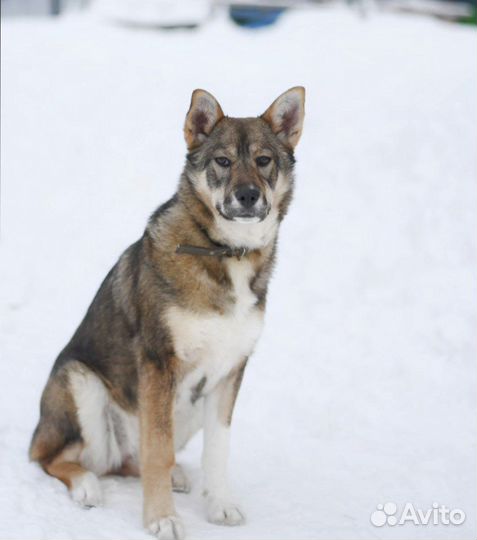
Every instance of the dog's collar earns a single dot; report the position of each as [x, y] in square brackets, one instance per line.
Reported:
[221, 251]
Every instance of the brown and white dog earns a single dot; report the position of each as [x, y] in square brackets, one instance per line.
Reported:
[162, 349]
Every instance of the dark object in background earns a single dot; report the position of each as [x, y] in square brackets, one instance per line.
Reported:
[460, 11]
[254, 16]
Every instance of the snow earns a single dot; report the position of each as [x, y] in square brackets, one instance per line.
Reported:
[363, 387]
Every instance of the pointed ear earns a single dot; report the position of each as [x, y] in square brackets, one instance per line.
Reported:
[204, 113]
[285, 115]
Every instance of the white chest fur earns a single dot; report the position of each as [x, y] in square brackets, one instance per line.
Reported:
[214, 344]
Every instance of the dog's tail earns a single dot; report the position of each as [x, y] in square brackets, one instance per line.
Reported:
[58, 425]
[46, 443]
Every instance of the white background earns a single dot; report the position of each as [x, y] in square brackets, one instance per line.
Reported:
[363, 387]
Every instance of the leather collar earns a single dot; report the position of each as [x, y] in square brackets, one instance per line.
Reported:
[220, 251]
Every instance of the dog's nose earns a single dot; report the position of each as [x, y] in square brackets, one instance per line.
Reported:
[247, 196]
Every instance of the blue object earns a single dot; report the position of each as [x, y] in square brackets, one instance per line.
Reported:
[255, 17]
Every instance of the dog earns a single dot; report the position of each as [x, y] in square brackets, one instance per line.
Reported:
[162, 349]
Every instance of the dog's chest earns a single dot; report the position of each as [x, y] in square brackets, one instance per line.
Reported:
[212, 344]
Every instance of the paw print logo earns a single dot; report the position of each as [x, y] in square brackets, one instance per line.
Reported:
[384, 515]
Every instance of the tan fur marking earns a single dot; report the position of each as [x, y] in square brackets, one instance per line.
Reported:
[156, 399]
[65, 465]
[230, 387]
[48, 441]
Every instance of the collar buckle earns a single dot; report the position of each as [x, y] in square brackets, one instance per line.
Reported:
[240, 252]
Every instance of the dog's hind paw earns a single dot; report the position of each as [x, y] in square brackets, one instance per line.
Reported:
[86, 490]
[168, 528]
[222, 512]
[180, 482]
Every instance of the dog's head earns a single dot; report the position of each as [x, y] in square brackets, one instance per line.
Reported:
[242, 167]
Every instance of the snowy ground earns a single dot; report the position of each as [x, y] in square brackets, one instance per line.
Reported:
[363, 388]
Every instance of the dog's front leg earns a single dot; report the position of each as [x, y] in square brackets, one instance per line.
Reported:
[218, 408]
[156, 401]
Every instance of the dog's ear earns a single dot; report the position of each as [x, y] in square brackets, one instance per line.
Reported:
[285, 115]
[204, 113]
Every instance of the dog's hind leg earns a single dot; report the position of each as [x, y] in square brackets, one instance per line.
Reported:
[83, 485]
[58, 443]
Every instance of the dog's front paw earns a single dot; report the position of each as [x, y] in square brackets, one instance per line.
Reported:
[223, 512]
[167, 528]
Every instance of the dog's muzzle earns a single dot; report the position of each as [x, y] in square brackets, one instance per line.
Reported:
[246, 205]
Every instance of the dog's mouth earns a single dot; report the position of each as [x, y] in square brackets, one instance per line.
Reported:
[246, 219]
[255, 216]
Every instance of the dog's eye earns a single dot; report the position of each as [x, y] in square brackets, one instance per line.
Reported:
[222, 161]
[263, 161]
